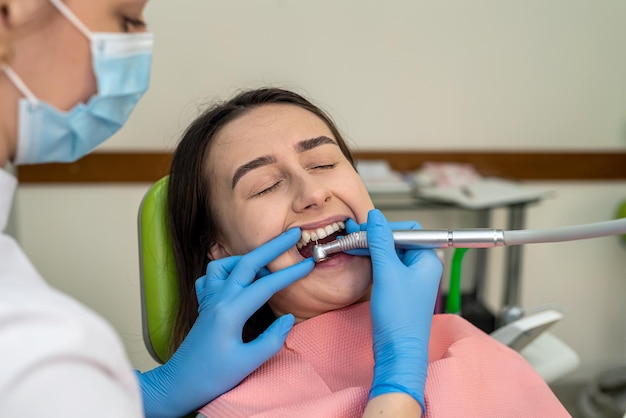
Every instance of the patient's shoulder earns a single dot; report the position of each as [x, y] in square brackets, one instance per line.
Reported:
[486, 377]
[450, 330]
[450, 324]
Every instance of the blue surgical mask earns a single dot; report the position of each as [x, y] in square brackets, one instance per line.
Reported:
[121, 64]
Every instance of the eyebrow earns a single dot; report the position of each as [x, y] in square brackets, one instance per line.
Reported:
[309, 144]
[302, 146]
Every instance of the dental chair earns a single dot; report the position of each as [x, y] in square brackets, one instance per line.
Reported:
[159, 298]
[529, 335]
[159, 291]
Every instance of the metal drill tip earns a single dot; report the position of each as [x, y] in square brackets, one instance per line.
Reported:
[322, 252]
[319, 254]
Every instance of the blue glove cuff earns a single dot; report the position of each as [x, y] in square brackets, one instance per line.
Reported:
[384, 388]
[154, 395]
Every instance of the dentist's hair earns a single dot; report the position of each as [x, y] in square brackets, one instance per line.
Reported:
[192, 221]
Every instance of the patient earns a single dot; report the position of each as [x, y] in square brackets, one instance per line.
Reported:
[247, 170]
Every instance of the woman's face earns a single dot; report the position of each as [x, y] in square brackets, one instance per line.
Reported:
[278, 167]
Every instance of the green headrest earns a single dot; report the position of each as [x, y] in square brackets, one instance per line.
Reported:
[159, 292]
[621, 213]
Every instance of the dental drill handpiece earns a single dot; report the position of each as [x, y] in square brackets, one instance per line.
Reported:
[417, 239]
[473, 238]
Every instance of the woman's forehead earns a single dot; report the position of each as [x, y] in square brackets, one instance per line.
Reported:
[269, 127]
[265, 134]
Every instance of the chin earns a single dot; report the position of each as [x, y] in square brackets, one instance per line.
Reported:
[324, 290]
[343, 289]
[347, 300]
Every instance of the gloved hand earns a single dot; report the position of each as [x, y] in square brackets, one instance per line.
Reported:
[352, 226]
[213, 359]
[402, 304]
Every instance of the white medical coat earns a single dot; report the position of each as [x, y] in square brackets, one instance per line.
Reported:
[57, 357]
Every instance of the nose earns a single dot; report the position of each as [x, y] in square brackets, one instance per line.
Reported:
[311, 193]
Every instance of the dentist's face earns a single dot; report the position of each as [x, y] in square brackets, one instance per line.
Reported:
[51, 55]
[277, 167]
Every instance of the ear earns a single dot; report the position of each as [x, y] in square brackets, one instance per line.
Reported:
[218, 251]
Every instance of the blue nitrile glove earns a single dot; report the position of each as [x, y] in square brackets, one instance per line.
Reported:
[402, 304]
[213, 359]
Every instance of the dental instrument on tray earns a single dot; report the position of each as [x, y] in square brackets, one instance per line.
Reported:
[474, 238]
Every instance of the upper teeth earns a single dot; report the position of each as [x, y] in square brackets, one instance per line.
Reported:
[319, 233]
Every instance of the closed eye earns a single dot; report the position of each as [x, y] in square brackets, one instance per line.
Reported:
[269, 189]
[325, 166]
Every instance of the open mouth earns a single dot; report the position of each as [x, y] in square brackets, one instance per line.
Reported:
[319, 236]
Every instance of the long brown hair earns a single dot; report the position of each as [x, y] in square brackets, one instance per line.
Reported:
[191, 218]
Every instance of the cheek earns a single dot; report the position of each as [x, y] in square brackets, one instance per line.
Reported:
[355, 194]
[252, 227]
[365, 206]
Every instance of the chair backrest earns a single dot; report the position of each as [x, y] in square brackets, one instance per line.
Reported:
[159, 292]
[621, 213]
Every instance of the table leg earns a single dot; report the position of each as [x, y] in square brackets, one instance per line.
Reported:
[512, 310]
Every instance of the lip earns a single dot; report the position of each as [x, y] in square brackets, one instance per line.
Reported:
[334, 261]
[315, 225]
[323, 222]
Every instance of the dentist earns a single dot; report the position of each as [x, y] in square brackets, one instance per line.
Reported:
[71, 72]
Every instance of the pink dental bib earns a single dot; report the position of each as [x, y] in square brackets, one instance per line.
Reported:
[325, 370]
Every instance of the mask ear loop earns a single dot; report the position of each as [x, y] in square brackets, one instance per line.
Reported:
[65, 11]
[16, 80]
[19, 84]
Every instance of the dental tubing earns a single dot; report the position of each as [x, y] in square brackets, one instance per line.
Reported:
[474, 238]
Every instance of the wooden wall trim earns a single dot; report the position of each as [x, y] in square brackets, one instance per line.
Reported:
[147, 167]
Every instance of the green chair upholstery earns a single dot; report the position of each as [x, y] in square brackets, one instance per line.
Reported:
[159, 292]
[621, 213]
